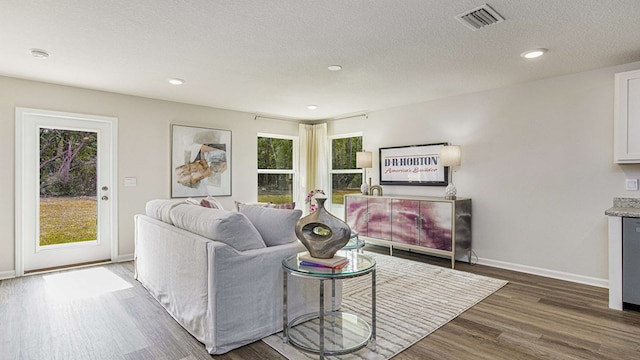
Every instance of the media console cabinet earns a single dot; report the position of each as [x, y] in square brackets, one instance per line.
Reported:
[426, 224]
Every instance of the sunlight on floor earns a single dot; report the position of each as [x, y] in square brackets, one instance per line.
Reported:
[80, 284]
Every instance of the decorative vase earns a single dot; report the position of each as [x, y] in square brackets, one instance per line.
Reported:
[322, 233]
[450, 192]
[364, 189]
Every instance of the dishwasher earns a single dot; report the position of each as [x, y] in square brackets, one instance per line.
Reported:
[631, 263]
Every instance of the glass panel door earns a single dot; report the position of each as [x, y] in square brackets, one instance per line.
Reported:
[68, 186]
[65, 186]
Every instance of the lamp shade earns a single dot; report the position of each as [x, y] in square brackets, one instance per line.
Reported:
[363, 160]
[450, 155]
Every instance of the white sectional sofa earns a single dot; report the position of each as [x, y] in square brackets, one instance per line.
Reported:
[219, 273]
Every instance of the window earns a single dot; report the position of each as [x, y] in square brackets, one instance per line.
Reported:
[345, 177]
[277, 155]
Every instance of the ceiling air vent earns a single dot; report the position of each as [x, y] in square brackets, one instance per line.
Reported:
[480, 17]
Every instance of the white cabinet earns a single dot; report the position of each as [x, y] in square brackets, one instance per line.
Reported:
[626, 129]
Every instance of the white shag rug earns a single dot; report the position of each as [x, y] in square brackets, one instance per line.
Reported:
[413, 300]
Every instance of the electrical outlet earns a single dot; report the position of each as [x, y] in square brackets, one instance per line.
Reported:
[631, 185]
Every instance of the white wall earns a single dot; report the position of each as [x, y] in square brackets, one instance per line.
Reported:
[536, 161]
[144, 147]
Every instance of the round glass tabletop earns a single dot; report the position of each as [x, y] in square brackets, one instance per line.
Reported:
[358, 264]
[354, 243]
[343, 333]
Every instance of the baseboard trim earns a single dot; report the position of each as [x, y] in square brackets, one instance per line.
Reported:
[7, 274]
[580, 279]
[587, 280]
[123, 258]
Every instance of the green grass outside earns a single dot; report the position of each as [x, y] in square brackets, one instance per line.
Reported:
[338, 195]
[275, 198]
[67, 219]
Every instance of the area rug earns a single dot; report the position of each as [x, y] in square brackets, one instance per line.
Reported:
[413, 300]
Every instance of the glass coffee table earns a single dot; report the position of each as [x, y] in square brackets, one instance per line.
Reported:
[355, 243]
[338, 332]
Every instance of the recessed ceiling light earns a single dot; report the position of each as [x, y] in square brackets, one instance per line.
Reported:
[176, 81]
[39, 53]
[532, 54]
[334, 67]
[312, 107]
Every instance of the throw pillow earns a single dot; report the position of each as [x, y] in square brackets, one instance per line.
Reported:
[291, 205]
[231, 228]
[276, 226]
[238, 204]
[211, 202]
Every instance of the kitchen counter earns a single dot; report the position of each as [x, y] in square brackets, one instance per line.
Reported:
[624, 207]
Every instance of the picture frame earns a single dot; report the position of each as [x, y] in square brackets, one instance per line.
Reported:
[415, 165]
[200, 161]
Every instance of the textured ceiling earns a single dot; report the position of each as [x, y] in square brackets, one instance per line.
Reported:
[270, 56]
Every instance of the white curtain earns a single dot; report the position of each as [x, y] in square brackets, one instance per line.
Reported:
[314, 166]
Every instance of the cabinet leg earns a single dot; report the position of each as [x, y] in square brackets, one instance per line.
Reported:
[373, 310]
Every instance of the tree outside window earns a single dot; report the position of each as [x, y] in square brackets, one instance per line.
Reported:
[345, 177]
[276, 172]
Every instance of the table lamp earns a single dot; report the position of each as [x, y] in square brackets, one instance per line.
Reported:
[363, 161]
[450, 156]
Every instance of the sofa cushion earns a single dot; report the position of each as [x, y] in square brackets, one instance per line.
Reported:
[276, 226]
[264, 204]
[231, 228]
[160, 209]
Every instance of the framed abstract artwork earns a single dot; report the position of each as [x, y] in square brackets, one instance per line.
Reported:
[200, 161]
[413, 165]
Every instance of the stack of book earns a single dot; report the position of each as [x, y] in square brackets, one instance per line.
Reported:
[336, 262]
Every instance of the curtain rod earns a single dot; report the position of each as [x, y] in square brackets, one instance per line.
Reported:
[351, 116]
[256, 116]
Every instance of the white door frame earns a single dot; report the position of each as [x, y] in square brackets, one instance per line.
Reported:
[20, 146]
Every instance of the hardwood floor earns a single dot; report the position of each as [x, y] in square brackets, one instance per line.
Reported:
[532, 317]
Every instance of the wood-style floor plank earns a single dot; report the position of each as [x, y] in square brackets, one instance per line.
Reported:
[536, 318]
[532, 317]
